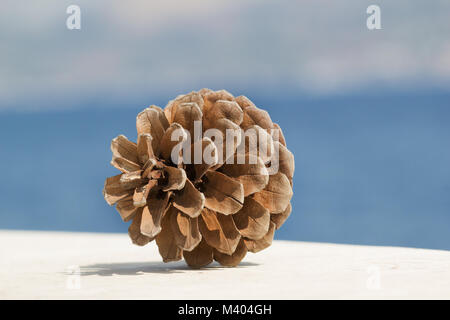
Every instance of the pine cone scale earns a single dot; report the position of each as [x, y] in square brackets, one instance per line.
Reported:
[121, 147]
[235, 258]
[189, 200]
[253, 220]
[276, 195]
[113, 191]
[223, 194]
[219, 231]
[279, 219]
[151, 222]
[145, 149]
[252, 174]
[263, 243]
[167, 245]
[124, 165]
[185, 230]
[174, 179]
[134, 230]
[201, 256]
[126, 208]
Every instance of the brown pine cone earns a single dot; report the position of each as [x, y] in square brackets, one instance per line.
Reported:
[203, 210]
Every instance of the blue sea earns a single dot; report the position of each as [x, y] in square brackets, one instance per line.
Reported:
[370, 169]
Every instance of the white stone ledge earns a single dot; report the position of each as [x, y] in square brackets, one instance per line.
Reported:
[34, 265]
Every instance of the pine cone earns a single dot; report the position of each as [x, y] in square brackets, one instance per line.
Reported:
[199, 210]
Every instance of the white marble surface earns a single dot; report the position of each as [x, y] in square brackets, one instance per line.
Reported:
[57, 265]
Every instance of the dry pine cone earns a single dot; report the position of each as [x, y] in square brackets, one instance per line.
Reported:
[202, 211]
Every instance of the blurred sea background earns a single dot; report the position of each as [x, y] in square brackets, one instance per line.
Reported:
[366, 113]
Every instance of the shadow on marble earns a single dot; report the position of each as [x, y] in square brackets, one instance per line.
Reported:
[138, 268]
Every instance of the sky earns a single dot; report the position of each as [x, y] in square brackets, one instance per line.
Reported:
[364, 112]
[162, 48]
